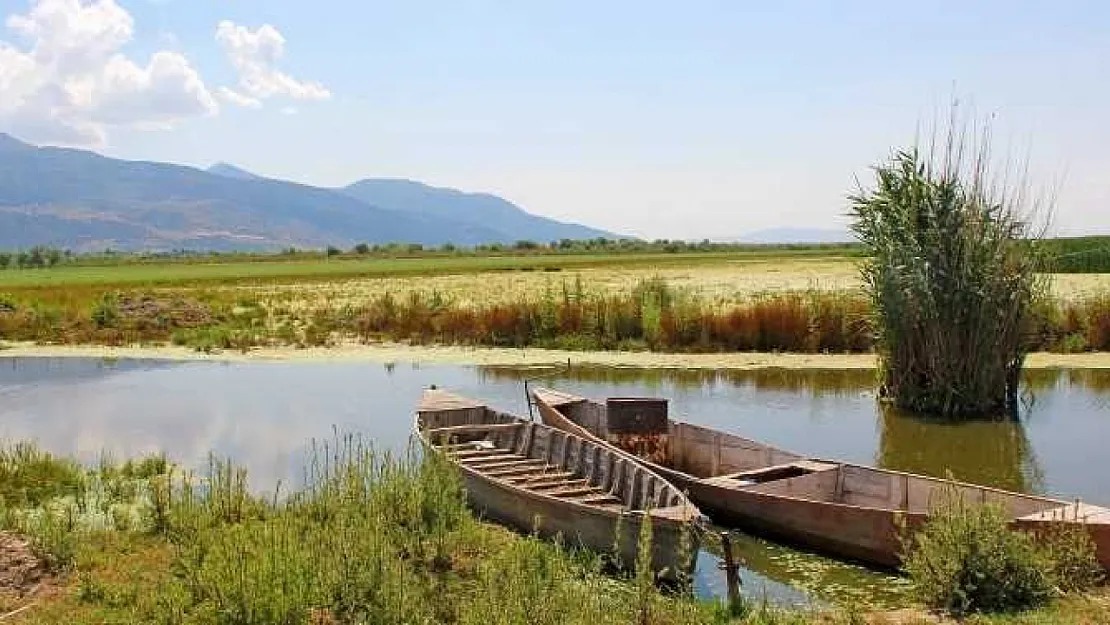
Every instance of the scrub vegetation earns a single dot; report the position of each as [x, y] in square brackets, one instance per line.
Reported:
[368, 537]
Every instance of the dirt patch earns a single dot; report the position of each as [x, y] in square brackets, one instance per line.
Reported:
[177, 313]
[21, 571]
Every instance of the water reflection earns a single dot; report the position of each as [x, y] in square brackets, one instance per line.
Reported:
[834, 414]
[265, 415]
[991, 452]
[802, 381]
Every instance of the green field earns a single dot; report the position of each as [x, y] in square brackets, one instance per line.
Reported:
[239, 271]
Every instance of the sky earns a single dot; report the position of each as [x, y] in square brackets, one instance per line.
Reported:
[696, 119]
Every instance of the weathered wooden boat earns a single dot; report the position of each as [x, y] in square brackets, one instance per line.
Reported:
[840, 508]
[536, 478]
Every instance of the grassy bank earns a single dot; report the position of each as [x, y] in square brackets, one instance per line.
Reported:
[368, 538]
[559, 314]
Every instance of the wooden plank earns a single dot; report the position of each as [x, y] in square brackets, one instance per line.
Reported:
[440, 401]
[478, 453]
[490, 459]
[600, 500]
[525, 478]
[473, 427]
[555, 485]
[547, 477]
[520, 470]
[484, 467]
[574, 491]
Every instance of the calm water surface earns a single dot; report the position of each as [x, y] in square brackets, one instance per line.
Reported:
[264, 415]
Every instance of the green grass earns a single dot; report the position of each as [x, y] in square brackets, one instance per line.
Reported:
[1077, 254]
[368, 538]
[238, 271]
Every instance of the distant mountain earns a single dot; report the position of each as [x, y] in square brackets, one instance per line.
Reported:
[84, 201]
[228, 170]
[416, 198]
[795, 235]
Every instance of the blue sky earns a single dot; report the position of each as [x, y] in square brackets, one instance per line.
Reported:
[661, 119]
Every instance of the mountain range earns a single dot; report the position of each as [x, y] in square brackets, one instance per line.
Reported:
[84, 201]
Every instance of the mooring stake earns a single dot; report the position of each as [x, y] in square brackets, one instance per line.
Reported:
[732, 570]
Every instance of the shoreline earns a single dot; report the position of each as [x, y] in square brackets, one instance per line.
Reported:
[499, 356]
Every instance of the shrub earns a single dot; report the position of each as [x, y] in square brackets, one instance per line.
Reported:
[966, 559]
[1073, 562]
[105, 312]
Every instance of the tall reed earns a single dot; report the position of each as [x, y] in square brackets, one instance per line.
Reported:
[952, 276]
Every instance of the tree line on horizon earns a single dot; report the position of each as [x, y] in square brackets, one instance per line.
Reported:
[1087, 254]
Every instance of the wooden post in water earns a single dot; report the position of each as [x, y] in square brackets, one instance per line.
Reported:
[732, 572]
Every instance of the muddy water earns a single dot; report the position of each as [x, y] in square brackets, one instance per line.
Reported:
[264, 415]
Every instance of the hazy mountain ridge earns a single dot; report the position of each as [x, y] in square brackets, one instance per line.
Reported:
[85, 201]
[418, 198]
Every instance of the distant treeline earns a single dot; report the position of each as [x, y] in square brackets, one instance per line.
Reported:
[1062, 255]
[41, 256]
[37, 257]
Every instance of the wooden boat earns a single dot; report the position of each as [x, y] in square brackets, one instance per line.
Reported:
[536, 478]
[840, 508]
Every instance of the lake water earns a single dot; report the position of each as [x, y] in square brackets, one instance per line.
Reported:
[265, 415]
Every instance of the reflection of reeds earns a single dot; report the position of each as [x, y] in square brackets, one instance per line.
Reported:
[991, 452]
[817, 382]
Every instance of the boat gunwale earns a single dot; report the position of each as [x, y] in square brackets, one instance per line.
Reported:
[625, 511]
[704, 481]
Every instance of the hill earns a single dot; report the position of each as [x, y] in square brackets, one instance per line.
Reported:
[84, 201]
[231, 171]
[416, 198]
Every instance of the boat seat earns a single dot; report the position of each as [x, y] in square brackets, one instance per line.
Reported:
[607, 502]
[772, 473]
[499, 456]
[505, 473]
[575, 491]
[539, 476]
[485, 464]
[556, 484]
[476, 453]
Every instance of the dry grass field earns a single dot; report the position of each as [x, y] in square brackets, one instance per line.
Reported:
[724, 281]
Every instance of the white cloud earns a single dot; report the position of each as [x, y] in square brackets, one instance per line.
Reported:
[72, 83]
[238, 99]
[255, 54]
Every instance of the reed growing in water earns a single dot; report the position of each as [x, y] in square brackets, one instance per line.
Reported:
[952, 276]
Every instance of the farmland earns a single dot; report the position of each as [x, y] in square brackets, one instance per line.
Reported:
[788, 300]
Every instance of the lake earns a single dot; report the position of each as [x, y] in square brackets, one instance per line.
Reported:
[265, 416]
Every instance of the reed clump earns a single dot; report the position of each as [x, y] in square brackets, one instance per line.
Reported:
[952, 277]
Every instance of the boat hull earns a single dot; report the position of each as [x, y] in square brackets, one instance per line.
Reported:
[854, 512]
[673, 545]
[542, 481]
[860, 534]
